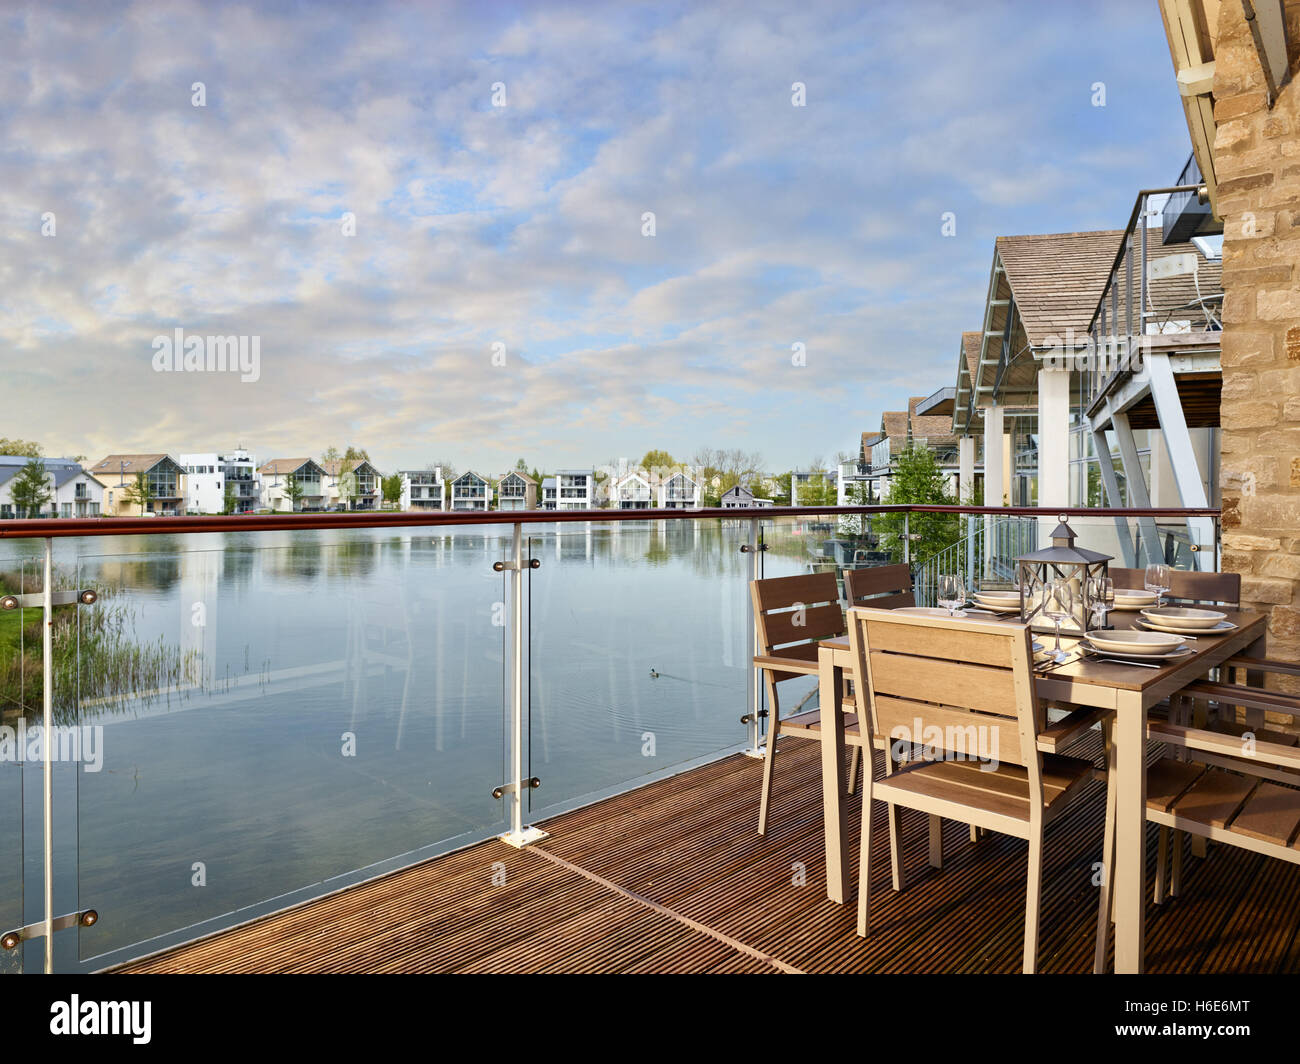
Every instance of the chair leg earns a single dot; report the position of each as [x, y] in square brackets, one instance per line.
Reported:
[974, 833]
[864, 862]
[855, 759]
[1033, 897]
[1162, 864]
[936, 841]
[1176, 875]
[896, 845]
[769, 758]
[1105, 902]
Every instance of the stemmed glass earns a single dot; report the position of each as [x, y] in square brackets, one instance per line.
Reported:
[1058, 604]
[1101, 589]
[952, 594]
[1157, 580]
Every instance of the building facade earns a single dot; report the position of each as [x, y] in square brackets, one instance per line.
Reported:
[516, 491]
[423, 489]
[73, 491]
[124, 476]
[210, 477]
[282, 478]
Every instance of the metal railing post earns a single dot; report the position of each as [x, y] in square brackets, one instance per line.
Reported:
[47, 731]
[907, 539]
[519, 834]
[754, 692]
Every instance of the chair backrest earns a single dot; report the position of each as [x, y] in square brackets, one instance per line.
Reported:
[1188, 586]
[796, 609]
[962, 689]
[884, 587]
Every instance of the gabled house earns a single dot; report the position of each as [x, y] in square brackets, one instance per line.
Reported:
[741, 498]
[516, 491]
[164, 480]
[423, 489]
[73, 491]
[277, 475]
[677, 491]
[351, 485]
[469, 491]
[631, 491]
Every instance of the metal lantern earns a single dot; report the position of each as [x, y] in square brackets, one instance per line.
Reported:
[1061, 560]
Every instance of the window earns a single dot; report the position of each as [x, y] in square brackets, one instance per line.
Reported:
[65, 509]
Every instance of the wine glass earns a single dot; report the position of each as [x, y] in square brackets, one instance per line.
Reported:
[1101, 590]
[1058, 604]
[1157, 580]
[952, 593]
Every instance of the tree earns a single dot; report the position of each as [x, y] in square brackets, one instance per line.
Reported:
[140, 493]
[293, 491]
[660, 462]
[521, 466]
[20, 448]
[347, 489]
[331, 454]
[392, 489]
[228, 500]
[721, 470]
[917, 478]
[30, 489]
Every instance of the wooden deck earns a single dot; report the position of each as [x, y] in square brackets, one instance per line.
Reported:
[673, 878]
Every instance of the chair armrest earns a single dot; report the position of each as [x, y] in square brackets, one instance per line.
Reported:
[1234, 694]
[1055, 737]
[1226, 745]
[1242, 661]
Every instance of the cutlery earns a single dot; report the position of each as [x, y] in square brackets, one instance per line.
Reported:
[1126, 661]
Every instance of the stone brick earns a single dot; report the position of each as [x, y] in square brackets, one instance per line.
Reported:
[1292, 409]
[1245, 541]
[1284, 566]
[1237, 561]
[1295, 472]
[1249, 415]
[1232, 137]
[1278, 304]
[1276, 126]
[1238, 386]
[1239, 307]
[1247, 224]
[1230, 512]
[1293, 343]
[1245, 183]
[1283, 620]
[1254, 275]
[1272, 513]
[1236, 106]
[1258, 589]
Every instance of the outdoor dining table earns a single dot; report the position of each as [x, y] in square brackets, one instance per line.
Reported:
[1130, 690]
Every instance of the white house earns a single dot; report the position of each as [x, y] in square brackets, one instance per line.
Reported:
[352, 487]
[469, 491]
[306, 474]
[423, 489]
[740, 498]
[516, 491]
[209, 475]
[575, 489]
[74, 492]
[631, 491]
[548, 493]
[679, 492]
[805, 480]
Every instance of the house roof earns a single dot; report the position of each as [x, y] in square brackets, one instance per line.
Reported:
[1057, 278]
[548, 482]
[933, 428]
[334, 466]
[522, 476]
[894, 424]
[470, 473]
[128, 463]
[286, 465]
[970, 346]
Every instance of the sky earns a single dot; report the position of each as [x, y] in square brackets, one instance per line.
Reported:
[569, 233]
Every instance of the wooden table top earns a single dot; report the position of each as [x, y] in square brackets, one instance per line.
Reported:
[1124, 677]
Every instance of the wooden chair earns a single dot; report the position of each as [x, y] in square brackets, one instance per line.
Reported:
[973, 681]
[792, 614]
[882, 587]
[1188, 587]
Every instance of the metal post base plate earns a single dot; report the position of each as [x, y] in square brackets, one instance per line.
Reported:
[526, 837]
[757, 754]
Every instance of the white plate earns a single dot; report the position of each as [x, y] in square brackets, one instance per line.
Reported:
[1135, 652]
[1130, 595]
[1173, 655]
[1156, 626]
[1132, 607]
[921, 611]
[1185, 617]
[1003, 598]
[1135, 641]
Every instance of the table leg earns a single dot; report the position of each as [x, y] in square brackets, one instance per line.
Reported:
[830, 688]
[1130, 833]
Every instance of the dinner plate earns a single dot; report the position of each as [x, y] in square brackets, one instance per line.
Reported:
[1132, 607]
[1134, 641]
[1004, 597]
[1130, 595]
[1185, 617]
[1157, 626]
[922, 611]
[1168, 655]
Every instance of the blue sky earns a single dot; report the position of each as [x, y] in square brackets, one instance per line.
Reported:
[521, 224]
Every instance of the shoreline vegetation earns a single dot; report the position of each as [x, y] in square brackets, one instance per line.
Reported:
[95, 655]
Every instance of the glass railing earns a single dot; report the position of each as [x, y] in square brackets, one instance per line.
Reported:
[266, 715]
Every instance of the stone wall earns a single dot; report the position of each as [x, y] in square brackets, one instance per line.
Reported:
[1257, 162]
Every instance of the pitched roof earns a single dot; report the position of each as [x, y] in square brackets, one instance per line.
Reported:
[127, 463]
[1057, 278]
[970, 345]
[894, 423]
[933, 428]
[284, 465]
[522, 476]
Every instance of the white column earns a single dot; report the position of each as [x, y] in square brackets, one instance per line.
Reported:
[965, 468]
[1054, 437]
[994, 484]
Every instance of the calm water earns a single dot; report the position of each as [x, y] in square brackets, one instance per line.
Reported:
[333, 707]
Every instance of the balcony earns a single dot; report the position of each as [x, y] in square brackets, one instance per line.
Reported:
[344, 726]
